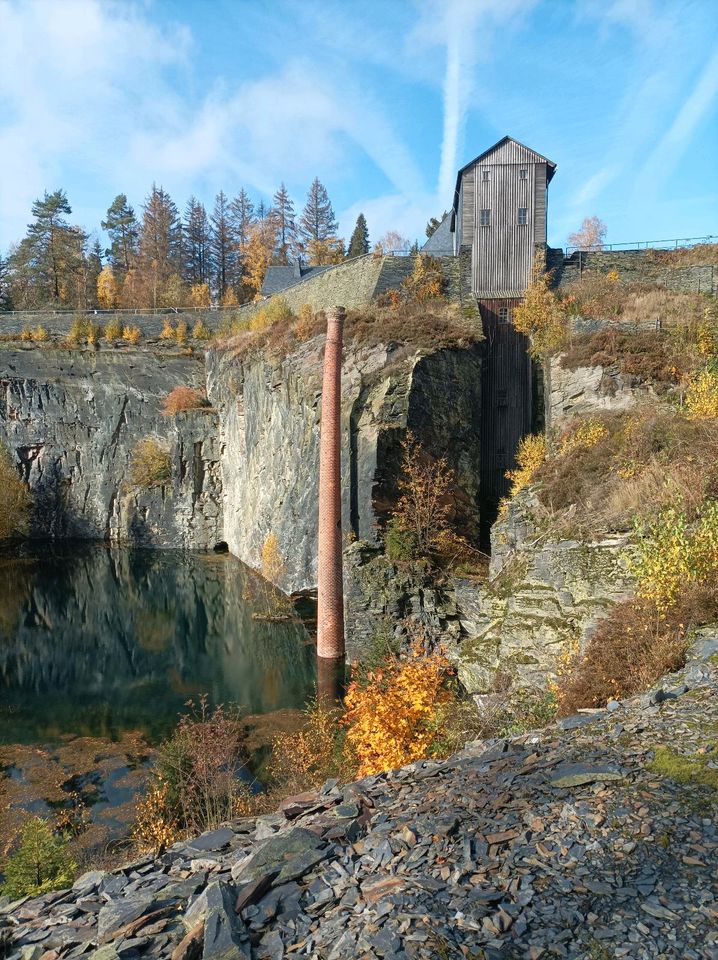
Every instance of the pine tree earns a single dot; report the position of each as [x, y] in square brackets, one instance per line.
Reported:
[317, 222]
[45, 259]
[359, 243]
[283, 217]
[123, 230]
[196, 243]
[222, 245]
[159, 245]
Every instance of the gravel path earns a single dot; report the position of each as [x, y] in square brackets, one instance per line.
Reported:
[568, 842]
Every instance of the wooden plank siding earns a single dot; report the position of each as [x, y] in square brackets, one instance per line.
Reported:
[503, 250]
[506, 392]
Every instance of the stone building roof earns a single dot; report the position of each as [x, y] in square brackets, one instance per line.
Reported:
[279, 277]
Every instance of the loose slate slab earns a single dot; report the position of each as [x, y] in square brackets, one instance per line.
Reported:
[578, 774]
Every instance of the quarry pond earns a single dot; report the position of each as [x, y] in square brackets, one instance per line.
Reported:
[102, 648]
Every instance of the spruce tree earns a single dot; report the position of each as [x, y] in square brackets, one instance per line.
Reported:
[222, 245]
[159, 246]
[359, 243]
[196, 251]
[434, 223]
[317, 222]
[242, 213]
[283, 216]
[123, 229]
[92, 272]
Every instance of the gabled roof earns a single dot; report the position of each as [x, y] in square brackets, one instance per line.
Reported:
[482, 156]
[441, 243]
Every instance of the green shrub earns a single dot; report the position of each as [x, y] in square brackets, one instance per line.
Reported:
[401, 545]
[41, 862]
[150, 464]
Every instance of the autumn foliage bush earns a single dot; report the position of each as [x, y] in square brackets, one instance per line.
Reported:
[392, 718]
[199, 780]
[15, 499]
[183, 398]
[150, 464]
[541, 315]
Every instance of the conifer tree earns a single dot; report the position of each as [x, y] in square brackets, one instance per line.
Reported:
[5, 296]
[359, 242]
[242, 214]
[159, 245]
[123, 229]
[92, 273]
[45, 258]
[283, 216]
[222, 245]
[317, 222]
[196, 243]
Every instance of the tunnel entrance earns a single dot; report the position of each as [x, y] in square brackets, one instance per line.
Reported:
[506, 405]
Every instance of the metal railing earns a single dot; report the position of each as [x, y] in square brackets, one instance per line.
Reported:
[672, 244]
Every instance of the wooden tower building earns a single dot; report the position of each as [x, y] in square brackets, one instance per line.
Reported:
[498, 224]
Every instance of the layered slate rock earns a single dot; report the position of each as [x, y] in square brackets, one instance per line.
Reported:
[71, 419]
[562, 843]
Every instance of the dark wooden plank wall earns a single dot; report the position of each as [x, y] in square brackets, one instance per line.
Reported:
[506, 390]
[502, 253]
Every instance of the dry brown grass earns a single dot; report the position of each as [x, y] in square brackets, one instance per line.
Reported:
[633, 647]
[183, 398]
[702, 254]
[648, 459]
[648, 355]
[432, 324]
[603, 296]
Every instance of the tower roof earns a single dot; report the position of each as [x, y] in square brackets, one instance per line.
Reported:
[529, 155]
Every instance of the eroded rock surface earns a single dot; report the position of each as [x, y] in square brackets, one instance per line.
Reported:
[72, 419]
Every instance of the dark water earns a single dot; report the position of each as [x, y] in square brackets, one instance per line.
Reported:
[96, 641]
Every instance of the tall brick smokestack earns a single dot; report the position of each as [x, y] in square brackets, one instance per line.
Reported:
[330, 613]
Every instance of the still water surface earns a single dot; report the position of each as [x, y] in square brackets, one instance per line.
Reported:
[100, 650]
[98, 641]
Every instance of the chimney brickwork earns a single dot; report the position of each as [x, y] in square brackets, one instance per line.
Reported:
[330, 613]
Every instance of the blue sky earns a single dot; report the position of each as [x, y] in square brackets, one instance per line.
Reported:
[382, 100]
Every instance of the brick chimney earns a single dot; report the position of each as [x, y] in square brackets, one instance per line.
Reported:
[330, 613]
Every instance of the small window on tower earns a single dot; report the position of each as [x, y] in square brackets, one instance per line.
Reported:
[523, 173]
[503, 314]
[485, 218]
[523, 216]
[485, 175]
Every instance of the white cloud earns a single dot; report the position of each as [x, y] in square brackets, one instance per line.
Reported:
[465, 28]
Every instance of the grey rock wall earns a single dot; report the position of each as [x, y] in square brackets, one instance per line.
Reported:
[541, 603]
[270, 413]
[71, 419]
[587, 390]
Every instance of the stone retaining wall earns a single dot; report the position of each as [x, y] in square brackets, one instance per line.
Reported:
[636, 266]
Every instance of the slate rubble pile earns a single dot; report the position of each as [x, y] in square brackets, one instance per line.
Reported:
[560, 843]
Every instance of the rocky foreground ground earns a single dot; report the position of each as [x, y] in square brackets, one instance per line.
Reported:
[568, 842]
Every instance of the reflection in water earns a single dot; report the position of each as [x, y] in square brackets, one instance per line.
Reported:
[96, 640]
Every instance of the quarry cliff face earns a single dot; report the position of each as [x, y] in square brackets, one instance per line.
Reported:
[269, 415]
[72, 419]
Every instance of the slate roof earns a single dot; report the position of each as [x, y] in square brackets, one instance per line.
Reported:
[440, 243]
[279, 277]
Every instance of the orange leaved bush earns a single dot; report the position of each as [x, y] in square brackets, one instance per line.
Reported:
[393, 718]
[183, 398]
